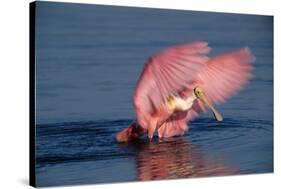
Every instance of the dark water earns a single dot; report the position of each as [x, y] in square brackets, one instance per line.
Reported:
[88, 59]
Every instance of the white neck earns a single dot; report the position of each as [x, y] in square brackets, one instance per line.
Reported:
[185, 104]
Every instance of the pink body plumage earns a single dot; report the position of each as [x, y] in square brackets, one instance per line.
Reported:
[177, 71]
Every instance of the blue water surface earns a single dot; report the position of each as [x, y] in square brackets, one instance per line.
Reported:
[88, 59]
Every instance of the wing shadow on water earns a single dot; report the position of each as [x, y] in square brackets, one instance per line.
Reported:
[176, 158]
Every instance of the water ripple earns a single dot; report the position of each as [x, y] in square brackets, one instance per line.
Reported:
[95, 140]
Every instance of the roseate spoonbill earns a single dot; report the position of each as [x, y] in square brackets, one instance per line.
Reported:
[179, 83]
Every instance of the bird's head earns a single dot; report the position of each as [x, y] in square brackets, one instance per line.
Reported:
[198, 91]
[200, 94]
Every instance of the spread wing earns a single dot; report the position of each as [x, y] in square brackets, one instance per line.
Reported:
[222, 77]
[167, 73]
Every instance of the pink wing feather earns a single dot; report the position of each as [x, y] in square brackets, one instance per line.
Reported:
[167, 73]
[174, 126]
[178, 70]
[222, 77]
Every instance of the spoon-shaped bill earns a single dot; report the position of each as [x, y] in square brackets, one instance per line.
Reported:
[217, 115]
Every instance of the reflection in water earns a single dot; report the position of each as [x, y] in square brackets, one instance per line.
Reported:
[176, 158]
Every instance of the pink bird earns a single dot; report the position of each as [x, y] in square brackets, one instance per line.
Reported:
[176, 85]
